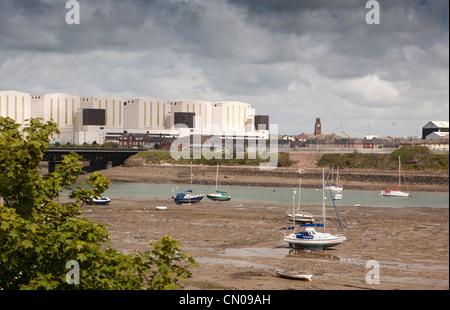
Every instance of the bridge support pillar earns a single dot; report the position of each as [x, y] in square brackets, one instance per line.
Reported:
[109, 164]
[97, 164]
[51, 166]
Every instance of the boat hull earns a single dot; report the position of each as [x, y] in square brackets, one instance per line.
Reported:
[300, 218]
[390, 193]
[218, 197]
[294, 275]
[318, 243]
[188, 200]
[337, 197]
[335, 188]
[99, 201]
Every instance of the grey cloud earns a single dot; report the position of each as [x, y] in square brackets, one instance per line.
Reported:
[307, 57]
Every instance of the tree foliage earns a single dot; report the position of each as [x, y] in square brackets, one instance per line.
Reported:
[39, 235]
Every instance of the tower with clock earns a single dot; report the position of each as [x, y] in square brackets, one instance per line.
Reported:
[318, 127]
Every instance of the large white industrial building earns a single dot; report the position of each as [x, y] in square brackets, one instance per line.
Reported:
[105, 118]
[16, 105]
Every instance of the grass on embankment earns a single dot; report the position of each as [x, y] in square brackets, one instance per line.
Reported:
[412, 158]
[238, 159]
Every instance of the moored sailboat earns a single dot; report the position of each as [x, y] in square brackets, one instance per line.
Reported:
[396, 191]
[219, 195]
[311, 238]
[187, 197]
[335, 187]
[297, 215]
[96, 200]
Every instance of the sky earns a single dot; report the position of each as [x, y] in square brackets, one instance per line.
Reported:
[293, 60]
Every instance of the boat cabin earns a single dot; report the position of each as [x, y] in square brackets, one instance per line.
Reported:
[308, 234]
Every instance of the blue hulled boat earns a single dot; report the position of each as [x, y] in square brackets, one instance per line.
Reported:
[187, 198]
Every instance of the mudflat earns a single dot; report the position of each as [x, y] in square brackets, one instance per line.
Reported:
[239, 245]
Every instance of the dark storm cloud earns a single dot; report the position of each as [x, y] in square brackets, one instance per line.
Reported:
[104, 24]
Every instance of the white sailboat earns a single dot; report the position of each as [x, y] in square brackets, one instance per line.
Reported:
[219, 195]
[297, 215]
[335, 187]
[396, 191]
[337, 196]
[311, 238]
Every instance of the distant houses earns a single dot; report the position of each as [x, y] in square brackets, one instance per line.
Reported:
[435, 136]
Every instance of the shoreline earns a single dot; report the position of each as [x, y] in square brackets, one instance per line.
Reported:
[280, 177]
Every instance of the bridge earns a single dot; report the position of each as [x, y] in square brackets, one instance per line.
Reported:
[98, 158]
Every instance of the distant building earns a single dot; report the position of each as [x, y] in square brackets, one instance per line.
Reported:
[437, 135]
[370, 137]
[16, 105]
[434, 126]
[134, 140]
[106, 118]
[113, 106]
[318, 127]
[261, 122]
[62, 109]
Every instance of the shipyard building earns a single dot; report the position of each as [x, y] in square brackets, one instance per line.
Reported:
[107, 118]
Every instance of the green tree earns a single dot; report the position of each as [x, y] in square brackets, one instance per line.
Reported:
[38, 235]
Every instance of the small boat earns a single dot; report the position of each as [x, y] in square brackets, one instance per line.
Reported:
[98, 200]
[310, 238]
[335, 187]
[313, 239]
[187, 198]
[294, 275]
[300, 217]
[297, 215]
[219, 195]
[337, 196]
[396, 191]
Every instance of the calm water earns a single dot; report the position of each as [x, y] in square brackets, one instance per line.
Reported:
[280, 194]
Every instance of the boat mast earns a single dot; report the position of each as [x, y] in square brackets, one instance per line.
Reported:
[399, 173]
[293, 207]
[217, 174]
[337, 176]
[323, 198]
[299, 192]
[191, 174]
